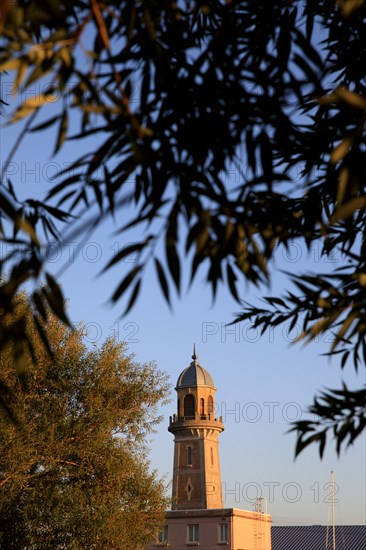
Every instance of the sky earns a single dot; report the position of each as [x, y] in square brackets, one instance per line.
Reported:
[263, 383]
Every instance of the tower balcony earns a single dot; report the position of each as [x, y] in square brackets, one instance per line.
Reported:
[195, 421]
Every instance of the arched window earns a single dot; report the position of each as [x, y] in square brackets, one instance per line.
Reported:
[210, 404]
[178, 408]
[189, 405]
[202, 406]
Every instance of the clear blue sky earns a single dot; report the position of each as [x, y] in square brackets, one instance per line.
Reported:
[263, 383]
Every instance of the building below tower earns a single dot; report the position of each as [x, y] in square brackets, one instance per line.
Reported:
[212, 529]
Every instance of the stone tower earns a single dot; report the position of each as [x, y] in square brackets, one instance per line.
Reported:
[196, 470]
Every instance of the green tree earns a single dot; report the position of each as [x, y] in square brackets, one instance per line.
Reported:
[180, 95]
[73, 467]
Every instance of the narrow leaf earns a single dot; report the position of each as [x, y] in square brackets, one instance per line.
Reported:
[341, 150]
[232, 280]
[174, 265]
[125, 283]
[123, 253]
[348, 209]
[62, 131]
[162, 280]
[133, 297]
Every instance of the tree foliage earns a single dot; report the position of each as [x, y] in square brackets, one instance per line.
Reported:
[205, 114]
[73, 467]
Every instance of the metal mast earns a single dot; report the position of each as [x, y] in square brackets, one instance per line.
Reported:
[333, 524]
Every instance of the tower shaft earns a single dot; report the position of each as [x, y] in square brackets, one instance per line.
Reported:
[196, 469]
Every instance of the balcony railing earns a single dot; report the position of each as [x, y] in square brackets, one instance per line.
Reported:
[209, 416]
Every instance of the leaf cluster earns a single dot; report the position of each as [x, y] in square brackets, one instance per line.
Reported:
[233, 128]
[342, 412]
[182, 93]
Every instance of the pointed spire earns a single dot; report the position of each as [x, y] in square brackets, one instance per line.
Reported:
[194, 356]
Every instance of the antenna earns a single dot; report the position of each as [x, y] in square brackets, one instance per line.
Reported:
[333, 524]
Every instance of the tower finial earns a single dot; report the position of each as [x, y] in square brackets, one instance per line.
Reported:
[194, 356]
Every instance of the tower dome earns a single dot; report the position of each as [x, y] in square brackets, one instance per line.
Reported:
[194, 375]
